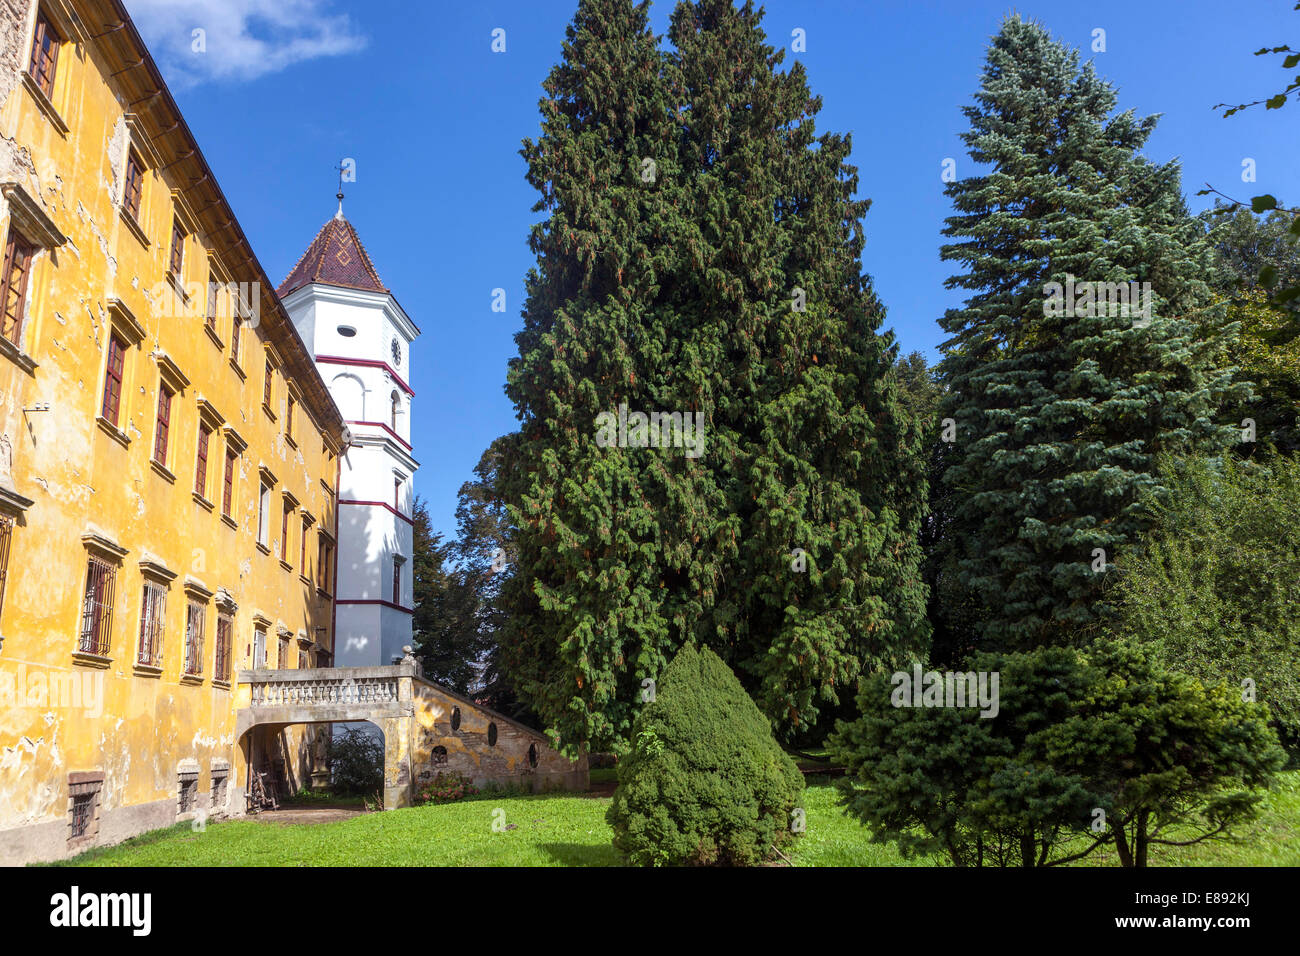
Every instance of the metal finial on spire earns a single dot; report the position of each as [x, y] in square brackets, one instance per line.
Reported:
[339, 195]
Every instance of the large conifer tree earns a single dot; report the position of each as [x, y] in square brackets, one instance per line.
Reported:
[1060, 412]
[810, 447]
[587, 602]
[729, 286]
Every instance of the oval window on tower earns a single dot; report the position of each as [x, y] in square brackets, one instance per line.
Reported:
[455, 718]
[346, 331]
[492, 735]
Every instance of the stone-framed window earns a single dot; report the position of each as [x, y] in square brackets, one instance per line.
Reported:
[220, 788]
[221, 661]
[133, 188]
[18, 256]
[197, 597]
[153, 615]
[188, 791]
[163, 425]
[113, 378]
[259, 647]
[83, 807]
[45, 54]
[95, 623]
[6, 536]
[176, 258]
[31, 232]
[125, 334]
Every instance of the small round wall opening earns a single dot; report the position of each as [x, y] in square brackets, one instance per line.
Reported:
[455, 718]
[492, 735]
[346, 331]
[532, 755]
[439, 754]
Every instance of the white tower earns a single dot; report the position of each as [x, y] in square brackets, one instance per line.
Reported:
[361, 340]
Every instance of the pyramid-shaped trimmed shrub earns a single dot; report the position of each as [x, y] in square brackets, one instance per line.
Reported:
[705, 783]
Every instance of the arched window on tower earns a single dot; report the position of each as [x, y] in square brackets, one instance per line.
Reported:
[348, 393]
[397, 407]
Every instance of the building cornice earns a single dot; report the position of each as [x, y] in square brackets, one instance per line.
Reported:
[343, 295]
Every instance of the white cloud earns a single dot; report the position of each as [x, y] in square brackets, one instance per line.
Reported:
[243, 39]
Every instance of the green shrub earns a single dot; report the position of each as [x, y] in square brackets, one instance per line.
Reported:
[1214, 590]
[705, 783]
[1085, 749]
[356, 760]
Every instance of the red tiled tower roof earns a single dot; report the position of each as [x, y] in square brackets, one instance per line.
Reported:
[335, 257]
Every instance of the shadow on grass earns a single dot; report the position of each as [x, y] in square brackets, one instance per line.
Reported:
[580, 854]
[144, 839]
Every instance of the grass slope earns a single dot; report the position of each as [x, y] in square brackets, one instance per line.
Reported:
[571, 831]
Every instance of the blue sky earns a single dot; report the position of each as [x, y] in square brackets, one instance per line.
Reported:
[433, 119]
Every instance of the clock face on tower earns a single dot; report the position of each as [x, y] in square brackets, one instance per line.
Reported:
[397, 353]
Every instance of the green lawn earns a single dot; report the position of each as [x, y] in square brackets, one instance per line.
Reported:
[571, 831]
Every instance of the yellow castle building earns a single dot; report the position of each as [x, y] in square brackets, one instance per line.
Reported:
[169, 454]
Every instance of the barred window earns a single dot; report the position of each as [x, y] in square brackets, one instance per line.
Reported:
[225, 632]
[13, 286]
[97, 608]
[219, 779]
[45, 54]
[189, 790]
[83, 806]
[153, 610]
[6, 536]
[195, 612]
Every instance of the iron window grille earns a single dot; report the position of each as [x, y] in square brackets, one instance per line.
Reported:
[153, 609]
[97, 608]
[189, 790]
[221, 665]
[194, 622]
[83, 808]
